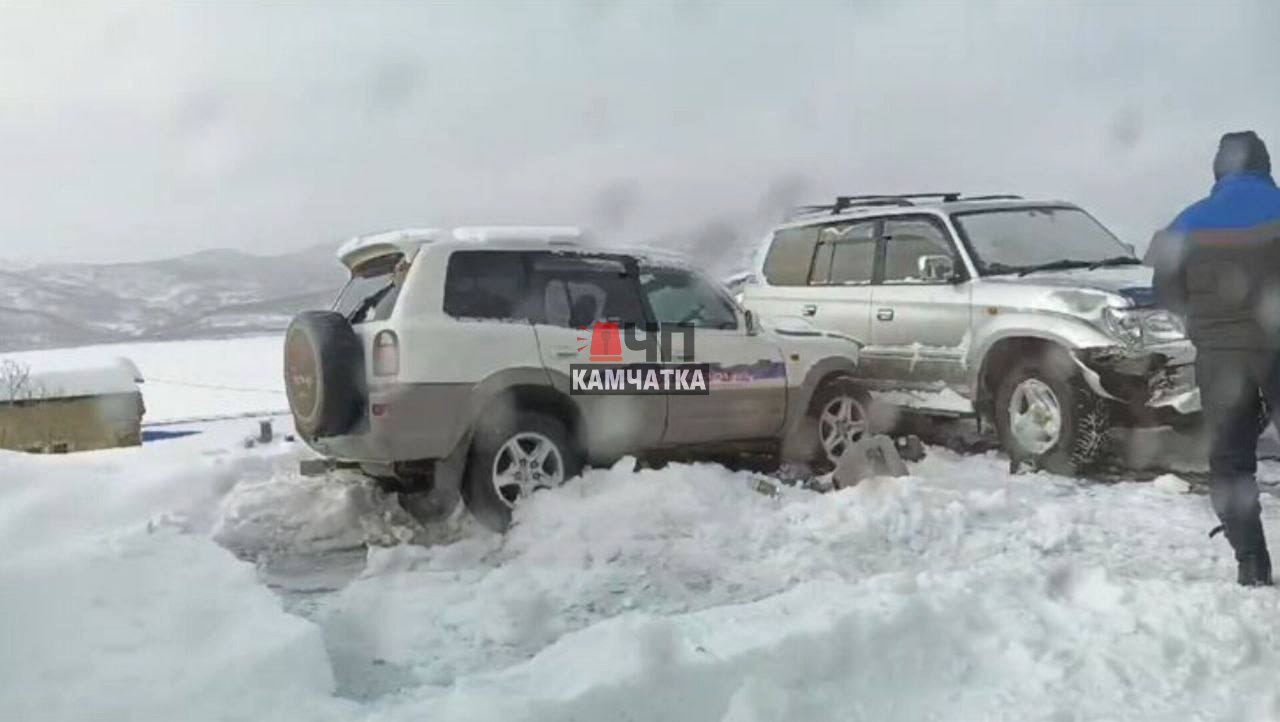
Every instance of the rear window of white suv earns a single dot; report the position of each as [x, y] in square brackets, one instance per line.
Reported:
[371, 293]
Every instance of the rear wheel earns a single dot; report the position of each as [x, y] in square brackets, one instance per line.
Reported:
[1046, 415]
[513, 460]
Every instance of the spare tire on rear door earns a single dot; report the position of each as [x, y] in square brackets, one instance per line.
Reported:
[323, 373]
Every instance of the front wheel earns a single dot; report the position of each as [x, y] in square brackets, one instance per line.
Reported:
[514, 460]
[839, 419]
[1046, 415]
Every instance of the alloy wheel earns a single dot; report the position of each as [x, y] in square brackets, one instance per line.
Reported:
[526, 463]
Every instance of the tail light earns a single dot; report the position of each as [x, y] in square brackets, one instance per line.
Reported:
[386, 354]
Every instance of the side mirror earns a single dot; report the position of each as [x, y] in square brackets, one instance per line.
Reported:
[749, 320]
[1133, 250]
[937, 269]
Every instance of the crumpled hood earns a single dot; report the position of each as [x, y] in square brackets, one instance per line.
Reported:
[1131, 282]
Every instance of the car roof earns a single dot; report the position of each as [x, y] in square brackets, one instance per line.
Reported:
[816, 214]
[409, 241]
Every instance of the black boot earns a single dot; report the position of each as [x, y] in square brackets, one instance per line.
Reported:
[1254, 570]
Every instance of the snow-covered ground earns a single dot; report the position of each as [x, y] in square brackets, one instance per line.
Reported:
[129, 590]
[197, 579]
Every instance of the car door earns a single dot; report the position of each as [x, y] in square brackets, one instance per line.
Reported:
[698, 323]
[840, 282]
[921, 310]
[573, 292]
[798, 280]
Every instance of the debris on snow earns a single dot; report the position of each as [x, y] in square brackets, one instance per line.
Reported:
[872, 455]
[1171, 483]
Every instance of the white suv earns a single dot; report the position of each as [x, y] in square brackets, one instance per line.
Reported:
[449, 359]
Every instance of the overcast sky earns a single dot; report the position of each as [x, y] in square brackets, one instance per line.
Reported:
[146, 130]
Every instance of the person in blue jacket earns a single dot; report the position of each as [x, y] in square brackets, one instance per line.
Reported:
[1218, 264]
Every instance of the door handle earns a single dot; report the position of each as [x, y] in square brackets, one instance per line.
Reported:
[884, 314]
[565, 352]
[809, 309]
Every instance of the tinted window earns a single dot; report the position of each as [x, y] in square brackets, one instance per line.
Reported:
[677, 296]
[790, 256]
[906, 242]
[576, 291]
[847, 252]
[489, 285]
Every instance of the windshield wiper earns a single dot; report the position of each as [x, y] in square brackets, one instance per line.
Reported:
[373, 299]
[1115, 261]
[1061, 264]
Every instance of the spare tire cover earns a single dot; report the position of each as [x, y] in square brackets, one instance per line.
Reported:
[323, 373]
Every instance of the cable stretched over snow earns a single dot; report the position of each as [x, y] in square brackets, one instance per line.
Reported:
[216, 387]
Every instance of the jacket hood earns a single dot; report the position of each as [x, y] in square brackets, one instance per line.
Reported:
[1242, 152]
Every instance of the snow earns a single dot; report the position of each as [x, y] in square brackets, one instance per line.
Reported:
[197, 579]
[405, 239]
[488, 234]
[1171, 483]
[945, 399]
[188, 379]
[115, 604]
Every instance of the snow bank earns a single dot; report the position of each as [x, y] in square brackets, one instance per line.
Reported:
[289, 514]
[962, 593]
[115, 604]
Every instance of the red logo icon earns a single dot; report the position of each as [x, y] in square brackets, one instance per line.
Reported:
[606, 344]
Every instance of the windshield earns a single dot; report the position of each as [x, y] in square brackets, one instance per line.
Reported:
[1017, 239]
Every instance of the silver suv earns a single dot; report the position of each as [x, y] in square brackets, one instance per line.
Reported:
[1030, 314]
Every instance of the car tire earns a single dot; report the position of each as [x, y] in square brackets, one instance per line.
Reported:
[1047, 416]
[838, 416]
[324, 376]
[491, 498]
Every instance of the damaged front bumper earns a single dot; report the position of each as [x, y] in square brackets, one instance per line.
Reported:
[1153, 385]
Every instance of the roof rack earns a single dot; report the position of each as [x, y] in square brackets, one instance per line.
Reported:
[844, 203]
[993, 197]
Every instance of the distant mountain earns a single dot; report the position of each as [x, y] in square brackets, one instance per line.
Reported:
[207, 294]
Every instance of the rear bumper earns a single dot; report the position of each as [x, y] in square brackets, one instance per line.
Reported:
[403, 422]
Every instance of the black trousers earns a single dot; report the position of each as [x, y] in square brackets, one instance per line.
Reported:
[1231, 385]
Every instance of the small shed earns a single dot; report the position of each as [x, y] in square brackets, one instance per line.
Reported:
[71, 409]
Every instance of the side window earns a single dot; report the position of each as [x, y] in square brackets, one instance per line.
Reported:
[677, 296]
[576, 291]
[488, 285]
[790, 256]
[846, 254]
[907, 243]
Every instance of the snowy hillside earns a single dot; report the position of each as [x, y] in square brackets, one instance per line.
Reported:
[210, 294]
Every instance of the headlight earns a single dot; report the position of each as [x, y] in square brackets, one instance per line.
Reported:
[1124, 325]
[1162, 327]
[1144, 327]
